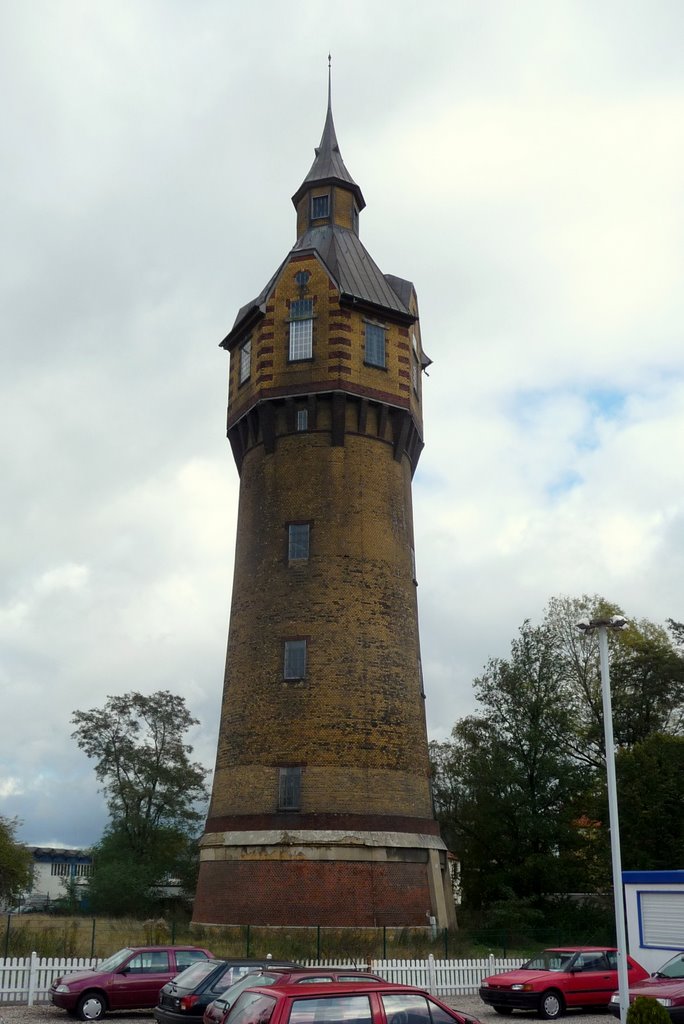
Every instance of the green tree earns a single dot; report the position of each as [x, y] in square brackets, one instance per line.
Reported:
[16, 863]
[646, 676]
[155, 794]
[506, 787]
[137, 742]
[520, 787]
[649, 778]
[123, 884]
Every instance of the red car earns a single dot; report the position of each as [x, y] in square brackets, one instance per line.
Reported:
[216, 1011]
[666, 985]
[556, 979]
[366, 1003]
[128, 980]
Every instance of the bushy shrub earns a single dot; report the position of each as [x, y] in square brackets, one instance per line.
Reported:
[645, 1010]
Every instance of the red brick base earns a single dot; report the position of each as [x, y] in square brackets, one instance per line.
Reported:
[333, 893]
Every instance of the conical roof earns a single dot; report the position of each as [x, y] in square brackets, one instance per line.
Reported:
[328, 166]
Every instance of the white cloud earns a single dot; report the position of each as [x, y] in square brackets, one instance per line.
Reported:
[521, 163]
[11, 787]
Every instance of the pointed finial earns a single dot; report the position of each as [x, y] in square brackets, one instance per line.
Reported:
[329, 83]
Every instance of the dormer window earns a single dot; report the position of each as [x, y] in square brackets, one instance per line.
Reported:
[320, 207]
[374, 352]
[245, 354]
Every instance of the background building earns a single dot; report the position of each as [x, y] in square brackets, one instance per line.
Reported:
[53, 867]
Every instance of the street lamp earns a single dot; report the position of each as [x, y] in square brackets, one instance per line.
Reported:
[602, 626]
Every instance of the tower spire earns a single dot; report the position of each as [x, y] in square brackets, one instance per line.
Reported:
[328, 166]
[329, 83]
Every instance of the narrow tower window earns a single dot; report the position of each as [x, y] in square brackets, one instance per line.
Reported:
[297, 542]
[375, 345]
[294, 659]
[245, 361]
[301, 329]
[320, 207]
[289, 789]
[302, 419]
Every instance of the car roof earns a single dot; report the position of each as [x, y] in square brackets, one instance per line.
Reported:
[335, 987]
[280, 968]
[286, 965]
[155, 949]
[579, 949]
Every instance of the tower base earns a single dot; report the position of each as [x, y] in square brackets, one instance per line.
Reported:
[323, 877]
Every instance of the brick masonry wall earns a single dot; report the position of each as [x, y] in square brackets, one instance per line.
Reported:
[325, 893]
[338, 348]
[357, 722]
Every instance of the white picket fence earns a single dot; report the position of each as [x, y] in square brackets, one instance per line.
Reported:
[28, 979]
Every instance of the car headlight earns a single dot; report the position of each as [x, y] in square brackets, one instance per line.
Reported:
[62, 988]
[663, 1000]
[484, 983]
[615, 998]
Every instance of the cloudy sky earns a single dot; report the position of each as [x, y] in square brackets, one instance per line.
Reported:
[523, 164]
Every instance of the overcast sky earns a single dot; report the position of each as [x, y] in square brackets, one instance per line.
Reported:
[523, 165]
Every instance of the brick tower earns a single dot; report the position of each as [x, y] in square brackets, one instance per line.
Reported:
[321, 810]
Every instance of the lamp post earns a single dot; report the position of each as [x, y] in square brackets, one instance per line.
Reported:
[602, 626]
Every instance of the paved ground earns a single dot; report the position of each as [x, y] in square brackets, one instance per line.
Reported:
[473, 1005]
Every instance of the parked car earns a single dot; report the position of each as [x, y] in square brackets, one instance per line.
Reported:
[127, 980]
[336, 1003]
[279, 976]
[556, 979]
[188, 995]
[666, 985]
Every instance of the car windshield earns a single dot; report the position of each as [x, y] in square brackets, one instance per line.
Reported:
[549, 960]
[114, 961]
[674, 968]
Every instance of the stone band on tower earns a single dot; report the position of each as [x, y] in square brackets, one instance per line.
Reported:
[321, 811]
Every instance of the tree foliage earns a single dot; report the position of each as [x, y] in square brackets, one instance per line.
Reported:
[16, 863]
[649, 779]
[506, 787]
[122, 884]
[520, 787]
[143, 763]
[646, 677]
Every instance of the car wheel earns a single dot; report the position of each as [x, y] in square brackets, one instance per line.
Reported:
[551, 1004]
[91, 1006]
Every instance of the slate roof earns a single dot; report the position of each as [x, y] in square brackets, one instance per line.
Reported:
[328, 166]
[353, 268]
[356, 274]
